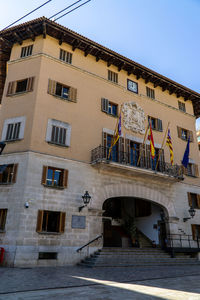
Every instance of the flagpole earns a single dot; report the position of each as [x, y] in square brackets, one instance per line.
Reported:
[162, 145]
[143, 144]
[112, 141]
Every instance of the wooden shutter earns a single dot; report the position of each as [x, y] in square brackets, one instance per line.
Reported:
[148, 157]
[73, 94]
[193, 231]
[104, 104]
[127, 150]
[189, 199]
[161, 160]
[159, 122]
[196, 171]
[44, 175]
[65, 178]
[62, 222]
[51, 87]
[121, 149]
[30, 83]
[104, 144]
[142, 155]
[179, 131]
[198, 201]
[11, 88]
[190, 134]
[15, 167]
[39, 220]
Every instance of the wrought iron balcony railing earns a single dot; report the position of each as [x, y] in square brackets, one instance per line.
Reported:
[101, 154]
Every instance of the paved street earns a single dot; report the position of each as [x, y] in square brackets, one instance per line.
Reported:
[101, 283]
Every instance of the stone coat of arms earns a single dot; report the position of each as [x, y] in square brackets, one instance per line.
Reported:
[134, 117]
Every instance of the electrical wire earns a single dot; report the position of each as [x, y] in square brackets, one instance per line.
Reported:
[27, 14]
[72, 10]
[65, 9]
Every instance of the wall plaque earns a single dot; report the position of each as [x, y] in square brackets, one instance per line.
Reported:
[78, 222]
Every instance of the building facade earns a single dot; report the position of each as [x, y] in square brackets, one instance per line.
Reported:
[61, 97]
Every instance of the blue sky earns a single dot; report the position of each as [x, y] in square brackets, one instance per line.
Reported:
[162, 35]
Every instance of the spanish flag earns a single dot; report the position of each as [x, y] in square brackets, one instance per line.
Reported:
[150, 138]
[169, 144]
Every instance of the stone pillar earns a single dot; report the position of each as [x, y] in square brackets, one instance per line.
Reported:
[172, 223]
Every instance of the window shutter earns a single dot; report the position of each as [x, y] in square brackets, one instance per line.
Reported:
[65, 178]
[179, 131]
[198, 201]
[162, 159]
[62, 222]
[193, 231]
[15, 167]
[11, 88]
[148, 157]
[51, 87]
[104, 143]
[73, 94]
[30, 83]
[190, 134]
[196, 171]
[160, 128]
[39, 220]
[121, 149]
[44, 175]
[104, 104]
[142, 155]
[127, 150]
[189, 199]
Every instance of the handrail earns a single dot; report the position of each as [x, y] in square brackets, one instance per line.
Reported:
[90, 242]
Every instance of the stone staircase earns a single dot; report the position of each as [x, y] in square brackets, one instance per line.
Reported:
[131, 257]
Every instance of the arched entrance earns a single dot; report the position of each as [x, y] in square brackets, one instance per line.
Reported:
[131, 221]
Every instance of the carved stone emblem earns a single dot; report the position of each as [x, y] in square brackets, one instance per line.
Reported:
[134, 117]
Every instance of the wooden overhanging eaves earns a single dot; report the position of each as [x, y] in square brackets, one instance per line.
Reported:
[44, 26]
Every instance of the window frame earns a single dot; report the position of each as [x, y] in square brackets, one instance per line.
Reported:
[12, 86]
[61, 95]
[26, 51]
[188, 133]
[113, 76]
[72, 92]
[158, 124]
[106, 104]
[59, 124]
[63, 180]
[7, 122]
[41, 220]
[65, 56]
[194, 200]
[150, 93]
[181, 106]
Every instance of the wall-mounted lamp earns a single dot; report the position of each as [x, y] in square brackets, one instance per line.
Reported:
[86, 200]
[26, 204]
[191, 212]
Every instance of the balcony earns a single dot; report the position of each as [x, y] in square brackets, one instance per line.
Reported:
[126, 162]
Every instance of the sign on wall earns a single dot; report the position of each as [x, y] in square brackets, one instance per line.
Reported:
[78, 222]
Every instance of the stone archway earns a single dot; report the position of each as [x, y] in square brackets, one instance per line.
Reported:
[136, 190]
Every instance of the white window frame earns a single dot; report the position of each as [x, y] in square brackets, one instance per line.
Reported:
[21, 120]
[53, 122]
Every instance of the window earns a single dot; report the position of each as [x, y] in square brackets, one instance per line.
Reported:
[109, 107]
[156, 124]
[184, 134]
[47, 255]
[20, 86]
[8, 173]
[3, 214]
[181, 106]
[13, 129]
[195, 231]
[54, 177]
[150, 92]
[26, 51]
[58, 133]
[112, 76]
[66, 56]
[194, 200]
[192, 170]
[50, 221]
[63, 91]
[132, 86]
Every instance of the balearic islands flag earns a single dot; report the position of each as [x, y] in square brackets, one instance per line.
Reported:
[169, 144]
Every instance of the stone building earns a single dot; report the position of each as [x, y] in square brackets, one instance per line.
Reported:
[61, 96]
